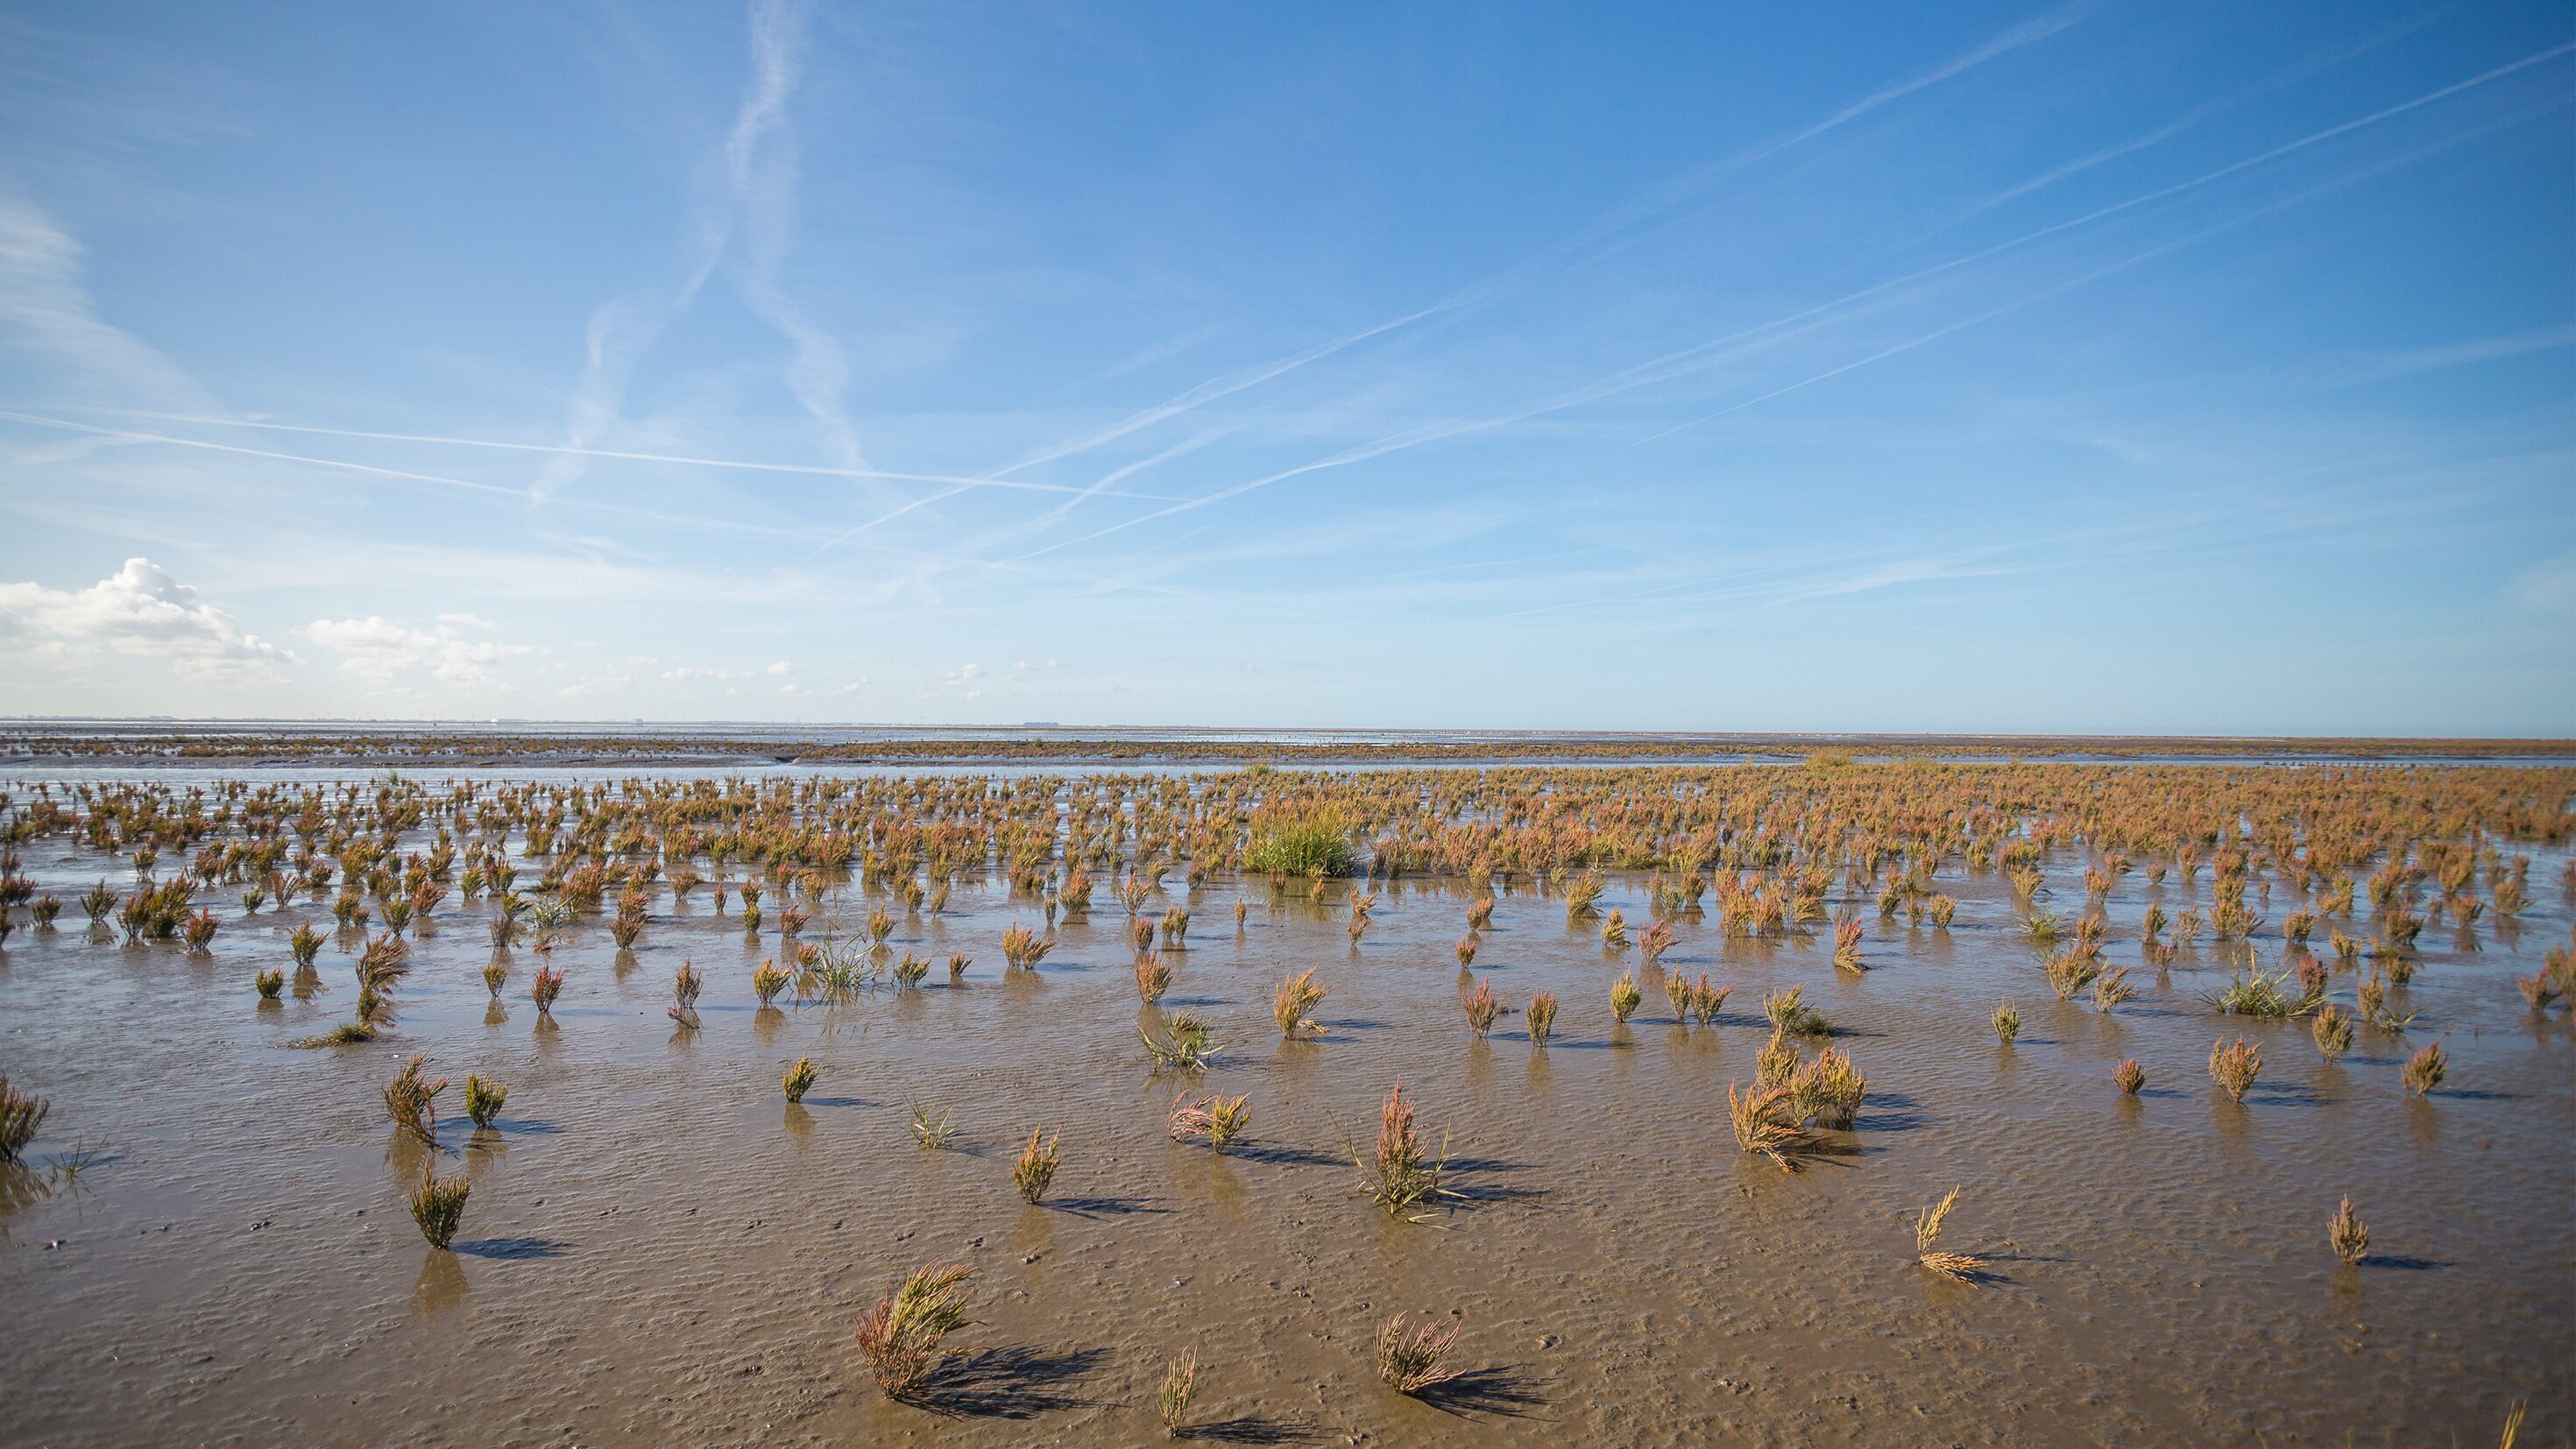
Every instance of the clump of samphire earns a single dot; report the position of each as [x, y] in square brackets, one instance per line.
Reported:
[484, 1098]
[438, 1204]
[2424, 1070]
[1401, 1175]
[1180, 1377]
[411, 1100]
[901, 1336]
[1958, 1267]
[1768, 1123]
[21, 1113]
[1542, 1017]
[1035, 1167]
[1297, 995]
[2234, 1068]
[1408, 1357]
[1218, 1119]
[2349, 1235]
[800, 1079]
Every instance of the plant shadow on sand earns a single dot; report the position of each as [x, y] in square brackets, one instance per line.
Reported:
[1250, 1429]
[1009, 1383]
[511, 1249]
[1285, 1156]
[1504, 1392]
[1104, 1207]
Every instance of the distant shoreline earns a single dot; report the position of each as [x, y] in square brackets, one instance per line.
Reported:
[274, 742]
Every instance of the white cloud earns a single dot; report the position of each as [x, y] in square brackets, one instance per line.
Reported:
[808, 692]
[465, 621]
[600, 683]
[687, 673]
[386, 653]
[139, 609]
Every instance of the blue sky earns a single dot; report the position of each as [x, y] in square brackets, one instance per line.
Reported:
[2109, 367]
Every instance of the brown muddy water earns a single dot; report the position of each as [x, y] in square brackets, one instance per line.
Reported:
[660, 1250]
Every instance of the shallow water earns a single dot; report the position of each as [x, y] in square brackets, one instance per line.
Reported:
[658, 1249]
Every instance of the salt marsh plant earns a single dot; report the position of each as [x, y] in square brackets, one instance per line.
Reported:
[931, 1129]
[958, 961]
[2539, 990]
[1624, 997]
[1153, 977]
[1767, 1124]
[1542, 1017]
[2071, 970]
[1847, 938]
[799, 1079]
[910, 971]
[2349, 1236]
[1829, 1089]
[496, 975]
[1186, 1045]
[1677, 991]
[2332, 1029]
[1614, 931]
[2252, 993]
[1408, 1357]
[1036, 1164]
[1172, 1399]
[767, 980]
[1654, 941]
[438, 1204]
[1466, 952]
[21, 1113]
[1581, 894]
[1316, 845]
[484, 1098]
[411, 1100]
[98, 900]
[1941, 909]
[1290, 1004]
[1788, 1013]
[1480, 913]
[2234, 1068]
[1023, 949]
[2007, 1022]
[1401, 1175]
[1220, 1120]
[1957, 1267]
[1140, 936]
[686, 983]
[1777, 1062]
[2129, 1076]
[2424, 1070]
[1483, 1009]
[543, 991]
[902, 1336]
[2112, 987]
[269, 982]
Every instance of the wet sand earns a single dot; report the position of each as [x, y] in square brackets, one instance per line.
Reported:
[660, 1250]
